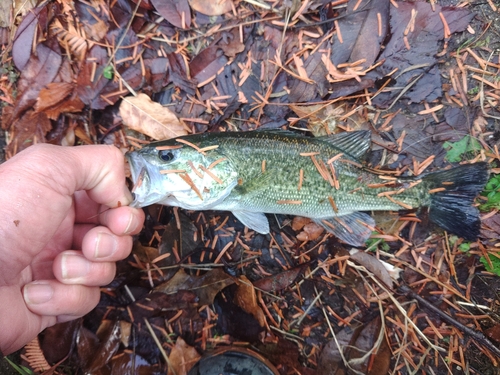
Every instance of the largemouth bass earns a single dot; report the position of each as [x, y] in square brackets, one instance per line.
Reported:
[252, 173]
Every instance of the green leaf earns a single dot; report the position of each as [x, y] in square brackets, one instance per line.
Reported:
[465, 246]
[457, 150]
[20, 369]
[108, 72]
[494, 261]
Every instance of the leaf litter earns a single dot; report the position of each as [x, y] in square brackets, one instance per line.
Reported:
[420, 75]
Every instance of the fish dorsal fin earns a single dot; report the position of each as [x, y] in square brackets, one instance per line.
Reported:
[253, 220]
[355, 144]
[354, 228]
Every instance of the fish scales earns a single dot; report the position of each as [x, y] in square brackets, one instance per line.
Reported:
[283, 163]
[260, 172]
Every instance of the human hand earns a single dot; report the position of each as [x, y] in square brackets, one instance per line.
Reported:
[55, 247]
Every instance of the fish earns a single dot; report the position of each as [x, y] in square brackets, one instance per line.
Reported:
[281, 172]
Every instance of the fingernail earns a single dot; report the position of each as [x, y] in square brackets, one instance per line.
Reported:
[37, 292]
[74, 267]
[105, 245]
[133, 222]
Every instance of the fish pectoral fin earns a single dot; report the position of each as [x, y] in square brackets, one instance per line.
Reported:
[253, 220]
[354, 228]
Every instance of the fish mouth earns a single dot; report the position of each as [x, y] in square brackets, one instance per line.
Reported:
[143, 179]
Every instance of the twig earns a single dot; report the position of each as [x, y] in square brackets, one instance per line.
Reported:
[478, 336]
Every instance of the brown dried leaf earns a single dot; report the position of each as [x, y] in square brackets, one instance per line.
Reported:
[182, 358]
[246, 298]
[52, 94]
[311, 232]
[29, 129]
[299, 222]
[205, 287]
[145, 116]
[231, 44]
[174, 11]
[321, 119]
[211, 8]
[373, 265]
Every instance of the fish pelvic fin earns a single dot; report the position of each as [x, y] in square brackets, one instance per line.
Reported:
[451, 207]
[253, 220]
[354, 228]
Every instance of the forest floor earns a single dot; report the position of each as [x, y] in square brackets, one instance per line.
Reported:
[423, 77]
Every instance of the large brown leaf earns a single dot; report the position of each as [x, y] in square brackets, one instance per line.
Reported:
[211, 8]
[173, 10]
[205, 287]
[23, 39]
[182, 358]
[145, 116]
[246, 298]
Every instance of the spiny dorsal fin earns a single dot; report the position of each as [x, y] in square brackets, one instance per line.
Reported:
[355, 144]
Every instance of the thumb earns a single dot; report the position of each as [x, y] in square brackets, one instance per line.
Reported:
[98, 169]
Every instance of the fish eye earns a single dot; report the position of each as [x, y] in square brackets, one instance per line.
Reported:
[166, 155]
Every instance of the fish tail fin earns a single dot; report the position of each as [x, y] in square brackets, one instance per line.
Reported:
[451, 204]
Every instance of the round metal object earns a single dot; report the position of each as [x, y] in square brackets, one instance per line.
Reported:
[233, 361]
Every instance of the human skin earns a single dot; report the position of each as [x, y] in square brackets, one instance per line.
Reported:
[64, 222]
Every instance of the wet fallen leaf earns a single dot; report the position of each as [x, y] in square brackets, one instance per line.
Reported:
[176, 12]
[132, 364]
[145, 116]
[23, 39]
[330, 359]
[279, 281]
[365, 350]
[182, 358]
[37, 73]
[109, 335]
[304, 91]
[207, 63]
[372, 264]
[370, 341]
[419, 47]
[211, 8]
[205, 287]
[246, 298]
[56, 341]
[361, 33]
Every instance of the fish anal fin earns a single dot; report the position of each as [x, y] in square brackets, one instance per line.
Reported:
[354, 144]
[253, 220]
[354, 228]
